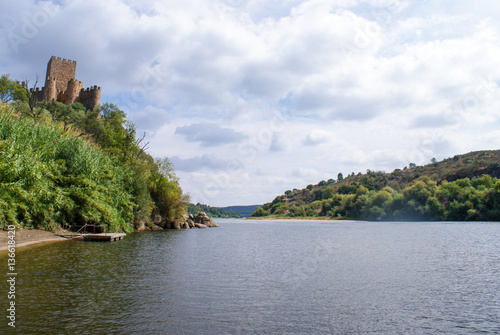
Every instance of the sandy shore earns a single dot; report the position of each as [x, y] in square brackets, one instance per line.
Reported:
[26, 237]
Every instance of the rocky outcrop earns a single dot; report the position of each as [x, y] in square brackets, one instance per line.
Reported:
[139, 225]
[157, 220]
[176, 224]
[190, 222]
[201, 220]
[157, 224]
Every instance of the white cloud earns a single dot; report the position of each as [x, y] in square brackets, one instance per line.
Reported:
[204, 162]
[304, 172]
[315, 138]
[357, 84]
[278, 144]
[209, 134]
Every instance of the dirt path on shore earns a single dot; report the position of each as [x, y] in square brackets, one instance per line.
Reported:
[25, 237]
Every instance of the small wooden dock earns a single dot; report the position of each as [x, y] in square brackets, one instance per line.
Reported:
[103, 237]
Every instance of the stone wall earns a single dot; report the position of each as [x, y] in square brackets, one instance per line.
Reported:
[90, 97]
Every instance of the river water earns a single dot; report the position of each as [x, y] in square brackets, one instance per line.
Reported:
[264, 277]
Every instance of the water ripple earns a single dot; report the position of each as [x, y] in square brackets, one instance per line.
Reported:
[268, 277]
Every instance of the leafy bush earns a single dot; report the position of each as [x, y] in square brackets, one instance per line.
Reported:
[49, 177]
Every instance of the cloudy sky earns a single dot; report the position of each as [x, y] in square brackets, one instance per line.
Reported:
[250, 98]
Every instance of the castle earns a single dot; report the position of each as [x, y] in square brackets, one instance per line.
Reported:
[61, 85]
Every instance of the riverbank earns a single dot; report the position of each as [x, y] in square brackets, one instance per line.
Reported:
[29, 237]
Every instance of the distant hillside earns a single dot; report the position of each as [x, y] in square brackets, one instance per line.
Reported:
[245, 211]
[213, 212]
[464, 187]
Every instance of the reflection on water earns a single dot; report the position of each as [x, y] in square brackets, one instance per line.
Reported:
[253, 277]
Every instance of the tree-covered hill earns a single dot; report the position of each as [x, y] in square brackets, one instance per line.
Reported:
[464, 187]
[244, 211]
[223, 212]
[213, 212]
[62, 165]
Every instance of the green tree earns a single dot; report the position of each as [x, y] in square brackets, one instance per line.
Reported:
[259, 212]
[485, 181]
[73, 114]
[302, 212]
[11, 90]
[493, 202]
[418, 201]
[328, 193]
[165, 191]
[118, 134]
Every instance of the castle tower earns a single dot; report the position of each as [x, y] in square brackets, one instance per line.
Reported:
[90, 97]
[72, 91]
[62, 71]
[50, 91]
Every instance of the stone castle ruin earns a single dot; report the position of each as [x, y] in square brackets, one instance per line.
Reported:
[61, 85]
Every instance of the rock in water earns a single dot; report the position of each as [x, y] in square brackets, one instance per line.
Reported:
[176, 224]
[199, 225]
[139, 225]
[157, 220]
[202, 218]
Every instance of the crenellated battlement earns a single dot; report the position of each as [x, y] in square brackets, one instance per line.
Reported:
[60, 60]
[93, 88]
[90, 96]
[51, 80]
[75, 81]
[61, 85]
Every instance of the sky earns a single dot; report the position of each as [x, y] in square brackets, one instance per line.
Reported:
[250, 98]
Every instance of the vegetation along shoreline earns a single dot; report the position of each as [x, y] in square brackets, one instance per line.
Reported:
[461, 188]
[66, 165]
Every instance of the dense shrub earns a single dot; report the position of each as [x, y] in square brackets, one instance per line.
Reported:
[63, 165]
[49, 177]
[423, 200]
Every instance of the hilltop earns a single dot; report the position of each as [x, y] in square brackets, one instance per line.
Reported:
[243, 211]
[463, 187]
[222, 212]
